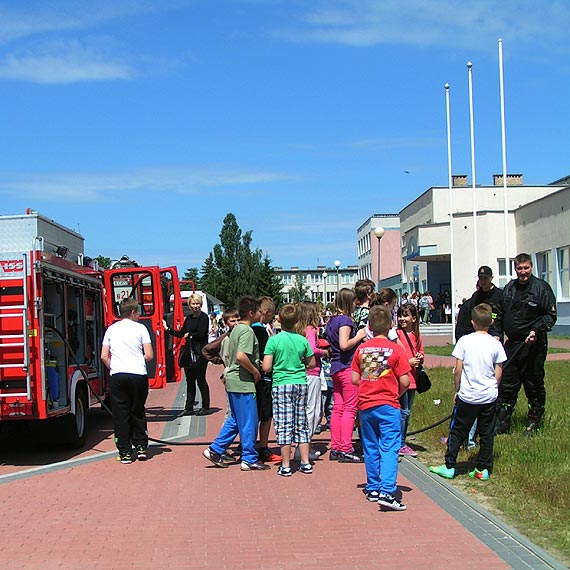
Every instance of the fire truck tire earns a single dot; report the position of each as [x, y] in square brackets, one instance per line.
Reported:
[76, 424]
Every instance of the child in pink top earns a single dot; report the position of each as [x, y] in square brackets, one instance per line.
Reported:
[409, 338]
[307, 325]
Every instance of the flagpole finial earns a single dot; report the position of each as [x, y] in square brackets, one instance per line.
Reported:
[469, 65]
[446, 86]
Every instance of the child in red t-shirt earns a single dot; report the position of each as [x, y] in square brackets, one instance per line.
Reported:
[380, 369]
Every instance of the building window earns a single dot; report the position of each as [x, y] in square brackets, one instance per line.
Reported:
[564, 271]
[504, 278]
[286, 279]
[543, 266]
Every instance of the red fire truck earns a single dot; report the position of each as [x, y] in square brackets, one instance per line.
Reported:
[54, 308]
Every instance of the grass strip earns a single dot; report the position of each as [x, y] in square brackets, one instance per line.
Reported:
[530, 484]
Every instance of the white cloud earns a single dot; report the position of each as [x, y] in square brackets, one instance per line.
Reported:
[63, 62]
[84, 187]
[472, 23]
[33, 17]
[43, 44]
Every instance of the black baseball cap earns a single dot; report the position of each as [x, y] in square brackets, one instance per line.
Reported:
[485, 271]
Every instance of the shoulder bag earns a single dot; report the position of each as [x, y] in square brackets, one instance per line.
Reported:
[189, 355]
[423, 383]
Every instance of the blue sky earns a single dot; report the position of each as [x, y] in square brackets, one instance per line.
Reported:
[142, 123]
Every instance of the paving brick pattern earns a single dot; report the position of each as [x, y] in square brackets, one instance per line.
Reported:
[178, 511]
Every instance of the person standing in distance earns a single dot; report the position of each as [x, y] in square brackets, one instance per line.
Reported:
[486, 293]
[528, 307]
[126, 350]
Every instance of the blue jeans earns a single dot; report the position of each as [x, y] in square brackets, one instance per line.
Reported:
[243, 420]
[381, 436]
[406, 401]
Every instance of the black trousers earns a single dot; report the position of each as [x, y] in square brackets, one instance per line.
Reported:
[464, 415]
[526, 368]
[128, 397]
[197, 375]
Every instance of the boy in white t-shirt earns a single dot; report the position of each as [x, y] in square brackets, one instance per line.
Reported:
[126, 349]
[478, 371]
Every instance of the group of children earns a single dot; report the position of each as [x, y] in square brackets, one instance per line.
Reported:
[380, 362]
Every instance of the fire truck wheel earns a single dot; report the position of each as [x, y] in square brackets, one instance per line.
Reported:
[76, 428]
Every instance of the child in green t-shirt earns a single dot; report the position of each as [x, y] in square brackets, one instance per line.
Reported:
[287, 356]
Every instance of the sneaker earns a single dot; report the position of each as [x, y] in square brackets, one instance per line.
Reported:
[227, 458]
[255, 466]
[443, 471]
[141, 452]
[306, 468]
[125, 457]
[390, 502]
[407, 450]
[483, 475]
[334, 455]
[265, 454]
[371, 496]
[214, 457]
[203, 412]
[530, 430]
[284, 471]
[349, 457]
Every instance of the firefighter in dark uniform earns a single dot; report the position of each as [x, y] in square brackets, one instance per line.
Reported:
[486, 293]
[529, 312]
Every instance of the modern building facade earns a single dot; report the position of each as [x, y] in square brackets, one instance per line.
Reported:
[435, 255]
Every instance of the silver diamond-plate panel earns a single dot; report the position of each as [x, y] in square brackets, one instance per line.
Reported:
[18, 233]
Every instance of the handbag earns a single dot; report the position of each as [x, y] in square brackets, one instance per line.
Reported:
[423, 383]
[188, 356]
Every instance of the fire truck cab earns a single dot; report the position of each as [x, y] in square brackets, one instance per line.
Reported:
[54, 309]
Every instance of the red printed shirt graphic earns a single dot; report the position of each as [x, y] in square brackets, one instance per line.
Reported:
[380, 362]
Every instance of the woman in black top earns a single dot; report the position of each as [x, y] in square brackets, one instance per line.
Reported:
[195, 327]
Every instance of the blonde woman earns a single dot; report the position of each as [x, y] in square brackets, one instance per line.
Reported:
[195, 329]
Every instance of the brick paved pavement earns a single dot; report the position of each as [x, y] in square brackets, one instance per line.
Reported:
[178, 511]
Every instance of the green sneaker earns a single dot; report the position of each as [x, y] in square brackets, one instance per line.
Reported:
[483, 475]
[443, 471]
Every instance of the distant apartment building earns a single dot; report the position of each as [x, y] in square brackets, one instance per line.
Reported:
[321, 282]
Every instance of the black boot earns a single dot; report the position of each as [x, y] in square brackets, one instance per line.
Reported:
[504, 413]
[534, 420]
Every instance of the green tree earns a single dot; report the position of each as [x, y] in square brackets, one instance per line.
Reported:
[234, 267]
[298, 292]
[104, 262]
[269, 282]
[191, 274]
[210, 279]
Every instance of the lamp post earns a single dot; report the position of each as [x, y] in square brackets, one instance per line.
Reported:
[379, 233]
[324, 276]
[318, 284]
[337, 265]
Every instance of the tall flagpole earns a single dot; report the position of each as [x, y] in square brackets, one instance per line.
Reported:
[504, 150]
[450, 181]
[472, 125]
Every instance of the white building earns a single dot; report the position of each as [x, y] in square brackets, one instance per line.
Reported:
[321, 282]
[538, 223]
